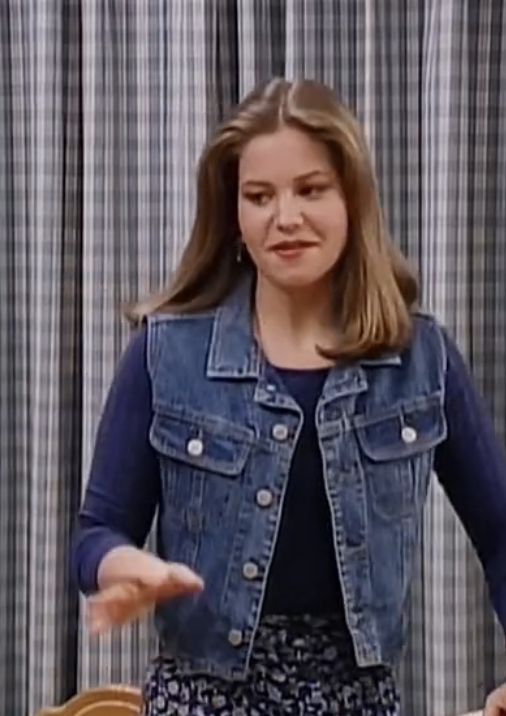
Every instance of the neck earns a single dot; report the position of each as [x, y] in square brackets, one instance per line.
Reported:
[296, 312]
[291, 324]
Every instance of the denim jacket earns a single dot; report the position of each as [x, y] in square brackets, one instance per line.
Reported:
[225, 431]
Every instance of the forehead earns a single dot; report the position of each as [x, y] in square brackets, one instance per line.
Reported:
[286, 152]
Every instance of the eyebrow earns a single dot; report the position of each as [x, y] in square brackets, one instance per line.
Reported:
[301, 177]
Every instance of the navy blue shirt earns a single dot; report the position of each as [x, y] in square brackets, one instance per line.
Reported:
[124, 486]
[303, 578]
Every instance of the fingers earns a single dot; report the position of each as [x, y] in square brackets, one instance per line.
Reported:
[179, 581]
[127, 601]
[491, 710]
[116, 606]
[495, 704]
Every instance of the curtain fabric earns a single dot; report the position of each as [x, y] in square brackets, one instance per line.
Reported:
[104, 109]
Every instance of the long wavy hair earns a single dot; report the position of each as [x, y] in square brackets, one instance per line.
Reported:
[375, 289]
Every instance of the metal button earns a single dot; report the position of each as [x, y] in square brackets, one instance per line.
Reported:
[235, 637]
[195, 447]
[270, 388]
[264, 498]
[250, 570]
[280, 432]
[408, 434]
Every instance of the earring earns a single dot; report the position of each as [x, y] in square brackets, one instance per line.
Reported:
[239, 249]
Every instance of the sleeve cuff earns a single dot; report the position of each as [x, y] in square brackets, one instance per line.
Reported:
[92, 547]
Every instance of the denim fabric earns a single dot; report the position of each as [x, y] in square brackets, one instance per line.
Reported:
[225, 431]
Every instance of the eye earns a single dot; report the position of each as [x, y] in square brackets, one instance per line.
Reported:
[259, 198]
[312, 191]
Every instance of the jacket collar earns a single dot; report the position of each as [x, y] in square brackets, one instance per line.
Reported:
[235, 353]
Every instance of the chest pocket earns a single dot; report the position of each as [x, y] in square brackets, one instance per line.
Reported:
[200, 443]
[396, 454]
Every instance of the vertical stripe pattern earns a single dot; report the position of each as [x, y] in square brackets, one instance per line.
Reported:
[104, 109]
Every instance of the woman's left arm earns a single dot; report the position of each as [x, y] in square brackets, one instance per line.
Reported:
[471, 466]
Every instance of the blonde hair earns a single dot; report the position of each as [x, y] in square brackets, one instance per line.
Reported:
[375, 288]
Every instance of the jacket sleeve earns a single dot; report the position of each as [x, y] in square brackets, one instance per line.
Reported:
[123, 490]
[471, 466]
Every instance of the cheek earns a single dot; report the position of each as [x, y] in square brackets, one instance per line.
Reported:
[242, 217]
[333, 225]
[340, 221]
[340, 230]
[252, 224]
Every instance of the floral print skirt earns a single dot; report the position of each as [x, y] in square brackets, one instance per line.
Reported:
[300, 665]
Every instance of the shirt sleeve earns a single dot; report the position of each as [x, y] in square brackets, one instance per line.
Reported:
[123, 490]
[471, 466]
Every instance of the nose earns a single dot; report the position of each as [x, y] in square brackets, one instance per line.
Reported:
[288, 216]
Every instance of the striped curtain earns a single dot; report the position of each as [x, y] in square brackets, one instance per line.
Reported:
[104, 108]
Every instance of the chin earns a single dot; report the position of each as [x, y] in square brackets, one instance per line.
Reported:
[296, 282]
[295, 278]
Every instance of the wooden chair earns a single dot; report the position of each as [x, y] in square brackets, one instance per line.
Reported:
[104, 701]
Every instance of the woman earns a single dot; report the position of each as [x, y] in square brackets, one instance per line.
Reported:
[283, 408]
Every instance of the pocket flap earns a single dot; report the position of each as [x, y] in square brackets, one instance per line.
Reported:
[205, 442]
[408, 431]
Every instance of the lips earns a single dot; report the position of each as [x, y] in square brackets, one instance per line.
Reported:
[292, 245]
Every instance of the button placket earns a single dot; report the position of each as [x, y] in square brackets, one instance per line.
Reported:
[235, 637]
[264, 497]
[250, 570]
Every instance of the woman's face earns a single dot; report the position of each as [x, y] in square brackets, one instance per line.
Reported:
[291, 210]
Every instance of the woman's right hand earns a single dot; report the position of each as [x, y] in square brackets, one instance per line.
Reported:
[127, 600]
[496, 702]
